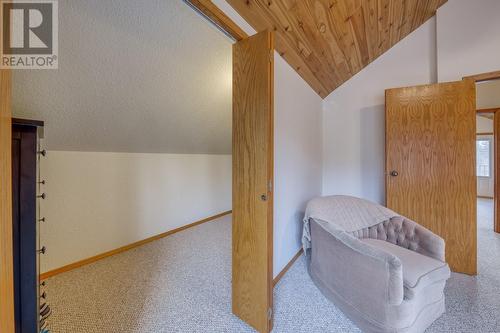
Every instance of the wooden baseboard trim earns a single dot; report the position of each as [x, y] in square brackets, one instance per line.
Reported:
[287, 267]
[90, 260]
[484, 197]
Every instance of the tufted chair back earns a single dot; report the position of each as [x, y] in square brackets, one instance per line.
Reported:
[397, 230]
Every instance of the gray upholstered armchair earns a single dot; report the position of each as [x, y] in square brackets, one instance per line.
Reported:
[384, 271]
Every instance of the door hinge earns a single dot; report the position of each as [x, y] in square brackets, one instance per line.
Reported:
[270, 313]
[270, 186]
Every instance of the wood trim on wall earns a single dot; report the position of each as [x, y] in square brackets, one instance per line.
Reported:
[6, 260]
[483, 76]
[490, 110]
[93, 259]
[496, 171]
[287, 267]
[484, 197]
[484, 133]
[217, 16]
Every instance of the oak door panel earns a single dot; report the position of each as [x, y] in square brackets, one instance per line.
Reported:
[430, 144]
[252, 274]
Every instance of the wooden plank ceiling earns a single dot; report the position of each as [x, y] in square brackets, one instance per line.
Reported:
[328, 41]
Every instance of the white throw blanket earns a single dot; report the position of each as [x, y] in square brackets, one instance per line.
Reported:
[345, 213]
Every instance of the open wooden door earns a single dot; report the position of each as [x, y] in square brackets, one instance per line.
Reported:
[6, 261]
[252, 279]
[430, 163]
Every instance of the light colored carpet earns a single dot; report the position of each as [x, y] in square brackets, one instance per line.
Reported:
[182, 283]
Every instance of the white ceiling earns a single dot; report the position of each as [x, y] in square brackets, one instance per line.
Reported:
[134, 76]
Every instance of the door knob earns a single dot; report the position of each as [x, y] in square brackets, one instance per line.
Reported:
[394, 173]
[263, 197]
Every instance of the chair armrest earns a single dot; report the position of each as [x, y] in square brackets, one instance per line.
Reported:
[360, 273]
[428, 243]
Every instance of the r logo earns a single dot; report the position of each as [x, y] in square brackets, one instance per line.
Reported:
[28, 28]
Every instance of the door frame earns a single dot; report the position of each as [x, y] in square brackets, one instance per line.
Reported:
[240, 306]
[495, 75]
[6, 259]
[221, 21]
[496, 169]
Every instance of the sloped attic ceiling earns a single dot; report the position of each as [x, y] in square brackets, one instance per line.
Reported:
[134, 76]
[328, 41]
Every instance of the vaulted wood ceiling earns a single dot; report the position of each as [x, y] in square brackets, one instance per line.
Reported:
[328, 41]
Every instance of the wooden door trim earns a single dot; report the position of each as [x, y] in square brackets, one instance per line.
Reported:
[217, 17]
[270, 181]
[6, 260]
[496, 171]
[496, 161]
[489, 110]
[483, 76]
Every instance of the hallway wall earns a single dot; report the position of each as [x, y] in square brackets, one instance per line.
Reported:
[97, 202]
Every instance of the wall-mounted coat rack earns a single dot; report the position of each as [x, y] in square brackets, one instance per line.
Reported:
[30, 308]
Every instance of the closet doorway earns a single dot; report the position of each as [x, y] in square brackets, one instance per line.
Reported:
[252, 180]
[253, 164]
[488, 146]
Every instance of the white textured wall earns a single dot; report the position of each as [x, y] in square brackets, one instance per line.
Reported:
[353, 124]
[297, 156]
[468, 36]
[100, 201]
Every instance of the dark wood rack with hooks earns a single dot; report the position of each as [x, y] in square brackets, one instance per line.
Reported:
[25, 135]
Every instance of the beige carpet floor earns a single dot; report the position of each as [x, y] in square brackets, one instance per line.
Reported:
[182, 283]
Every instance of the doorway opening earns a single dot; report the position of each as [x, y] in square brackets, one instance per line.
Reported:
[487, 153]
[121, 195]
